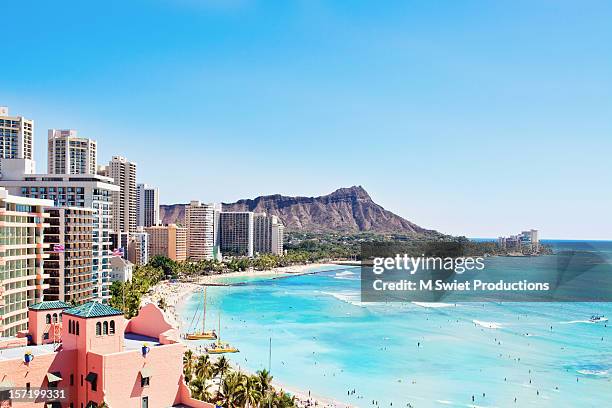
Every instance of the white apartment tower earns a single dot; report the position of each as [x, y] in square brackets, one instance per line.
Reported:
[70, 154]
[16, 137]
[123, 173]
[200, 220]
[147, 204]
[278, 236]
[268, 234]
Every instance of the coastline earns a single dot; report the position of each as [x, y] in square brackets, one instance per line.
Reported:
[266, 273]
[175, 294]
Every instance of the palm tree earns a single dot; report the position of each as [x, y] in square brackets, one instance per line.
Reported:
[268, 399]
[250, 390]
[232, 393]
[284, 400]
[264, 380]
[220, 368]
[203, 367]
[199, 389]
[188, 365]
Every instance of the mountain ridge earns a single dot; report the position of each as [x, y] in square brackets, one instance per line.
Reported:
[347, 209]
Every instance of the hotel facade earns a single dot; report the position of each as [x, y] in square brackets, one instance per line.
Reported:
[70, 261]
[16, 137]
[200, 223]
[22, 253]
[147, 205]
[77, 190]
[70, 154]
[138, 247]
[236, 233]
[268, 234]
[123, 172]
[94, 355]
[168, 240]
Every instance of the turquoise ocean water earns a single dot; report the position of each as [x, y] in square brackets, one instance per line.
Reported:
[326, 341]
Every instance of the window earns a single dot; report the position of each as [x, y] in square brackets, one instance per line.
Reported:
[48, 318]
[92, 379]
[112, 327]
[54, 317]
[77, 329]
[105, 328]
[98, 329]
[145, 402]
[145, 381]
[71, 379]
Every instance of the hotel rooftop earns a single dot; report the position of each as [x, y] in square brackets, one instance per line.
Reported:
[97, 356]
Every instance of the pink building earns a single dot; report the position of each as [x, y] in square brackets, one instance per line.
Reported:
[94, 355]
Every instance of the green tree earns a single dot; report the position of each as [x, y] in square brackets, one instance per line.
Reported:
[231, 394]
[166, 264]
[264, 380]
[251, 394]
[220, 368]
[200, 389]
[203, 367]
[188, 365]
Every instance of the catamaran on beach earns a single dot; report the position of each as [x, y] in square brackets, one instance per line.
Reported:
[202, 335]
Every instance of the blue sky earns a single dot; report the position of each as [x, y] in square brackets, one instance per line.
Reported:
[477, 118]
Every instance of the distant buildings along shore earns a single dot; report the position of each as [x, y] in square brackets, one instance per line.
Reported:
[525, 241]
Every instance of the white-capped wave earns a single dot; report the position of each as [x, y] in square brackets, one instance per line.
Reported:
[598, 373]
[487, 325]
[345, 275]
[604, 319]
[433, 305]
[347, 297]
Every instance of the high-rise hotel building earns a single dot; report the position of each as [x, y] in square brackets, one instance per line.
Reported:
[268, 234]
[236, 233]
[123, 172]
[70, 261]
[77, 190]
[16, 137]
[168, 240]
[22, 253]
[200, 223]
[70, 154]
[138, 247]
[147, 205]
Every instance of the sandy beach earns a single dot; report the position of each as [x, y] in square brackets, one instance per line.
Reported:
[253, 273]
